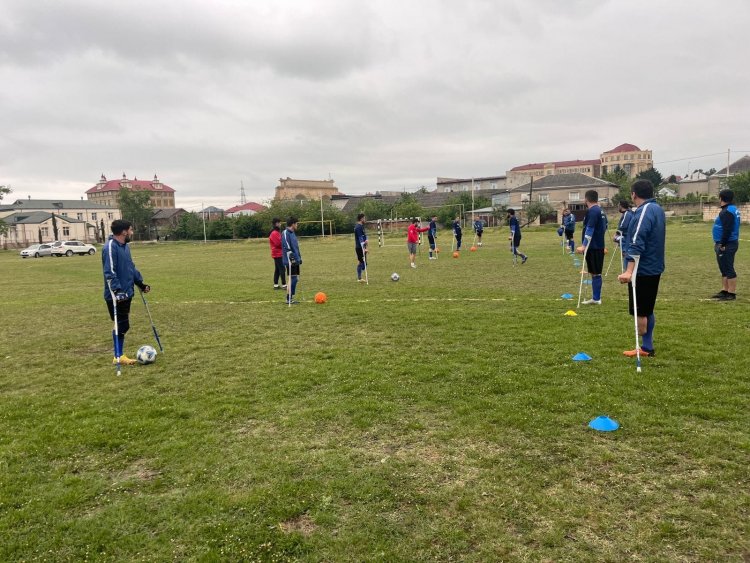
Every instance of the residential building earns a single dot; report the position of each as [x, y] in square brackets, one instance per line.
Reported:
[250, 208]
[211, 213]
[523, 174]
[467, 184]
[107, 192]
[165, 220]
[91, 216]
[560, 190]
[627, 157]
[289, 188]
[31, 227]
[712, 185]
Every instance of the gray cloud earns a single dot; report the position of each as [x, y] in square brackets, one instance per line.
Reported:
[381, 94]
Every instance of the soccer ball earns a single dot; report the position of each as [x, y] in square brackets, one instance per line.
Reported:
[394, 276]
[456, 255]
[146, 355]
[321, 297]
[473, 249]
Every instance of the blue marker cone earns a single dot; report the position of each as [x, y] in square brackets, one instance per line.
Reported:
[604, 424]
[581, 357]
[567, 296]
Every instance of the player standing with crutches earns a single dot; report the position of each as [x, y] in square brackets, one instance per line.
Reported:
[120, 277]
[594, 228]
[621, 234]
[645, 258]
[515, 237]
[432, 238]
[292, 258]
[360, 247]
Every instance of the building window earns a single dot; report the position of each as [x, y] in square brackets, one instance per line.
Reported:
[79, 216]
[45, 231]
[109, 215]
[543, 197]
[93, 216]
[574, 196]
[64, 214]
[66, 231]
[493, 186]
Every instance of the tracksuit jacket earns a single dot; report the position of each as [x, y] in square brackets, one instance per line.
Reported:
[119, 270]
[646, 238]
[594, 226]
[274, 239]
[624, 228]
[289, 243]
[569, 223]
[412, 233]
[727, 225]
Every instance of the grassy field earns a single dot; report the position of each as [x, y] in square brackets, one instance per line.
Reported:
[436, 418]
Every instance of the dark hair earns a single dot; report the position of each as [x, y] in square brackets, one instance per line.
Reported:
[360, 216]
[644, 189]
[120, 225]
[414, 221]
[592, 196]
[291, 221]
[625, 204]
[511, 211]
[726, 195]
[275, 220]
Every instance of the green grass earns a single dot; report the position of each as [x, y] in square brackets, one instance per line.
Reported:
[437, 418]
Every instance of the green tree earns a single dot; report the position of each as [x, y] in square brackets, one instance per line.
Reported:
[136, 207]
[620, 178]
[4, 190]
[373, 209]
[407, 206]
[189, 227]
[536, 209]
[651, 174]
[740, 185]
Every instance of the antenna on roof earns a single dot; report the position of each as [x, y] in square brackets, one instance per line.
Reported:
[243, 199]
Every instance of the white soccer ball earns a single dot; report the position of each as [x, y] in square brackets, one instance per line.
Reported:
[146, 354]
[394, 276]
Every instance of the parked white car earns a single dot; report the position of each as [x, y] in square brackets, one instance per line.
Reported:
[36, 250]
[71, 247]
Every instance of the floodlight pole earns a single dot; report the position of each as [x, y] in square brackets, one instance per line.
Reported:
[472, 201]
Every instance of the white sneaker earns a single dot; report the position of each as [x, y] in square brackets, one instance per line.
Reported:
[592, 302]
[413, 265]
[432, 258]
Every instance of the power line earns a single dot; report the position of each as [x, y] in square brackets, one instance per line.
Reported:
[691, 157]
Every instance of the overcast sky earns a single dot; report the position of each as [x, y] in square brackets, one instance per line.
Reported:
[378, 94]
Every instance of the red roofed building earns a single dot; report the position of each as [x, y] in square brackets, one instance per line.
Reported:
[107, 192]
[250, 208]
[523, 174]
[629, 158]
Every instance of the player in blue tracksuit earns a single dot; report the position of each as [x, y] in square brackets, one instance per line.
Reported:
[726, 235]
[623, 227]
[515, 235]
[479, 230]
[457, 233]
[569, 228]
[646, 238]
[291, 256]
[432, 237]
[120, 277]
[594, 227]
[360, 245]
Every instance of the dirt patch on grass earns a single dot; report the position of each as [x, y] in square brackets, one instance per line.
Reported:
[301, 524]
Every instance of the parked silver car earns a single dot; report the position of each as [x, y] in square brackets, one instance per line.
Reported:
[71, 247]
[36, 250]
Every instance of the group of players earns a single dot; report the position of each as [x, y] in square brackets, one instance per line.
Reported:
[641, 235]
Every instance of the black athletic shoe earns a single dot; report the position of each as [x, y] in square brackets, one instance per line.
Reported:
[728, 297]
[719, 295]
[523, 260]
